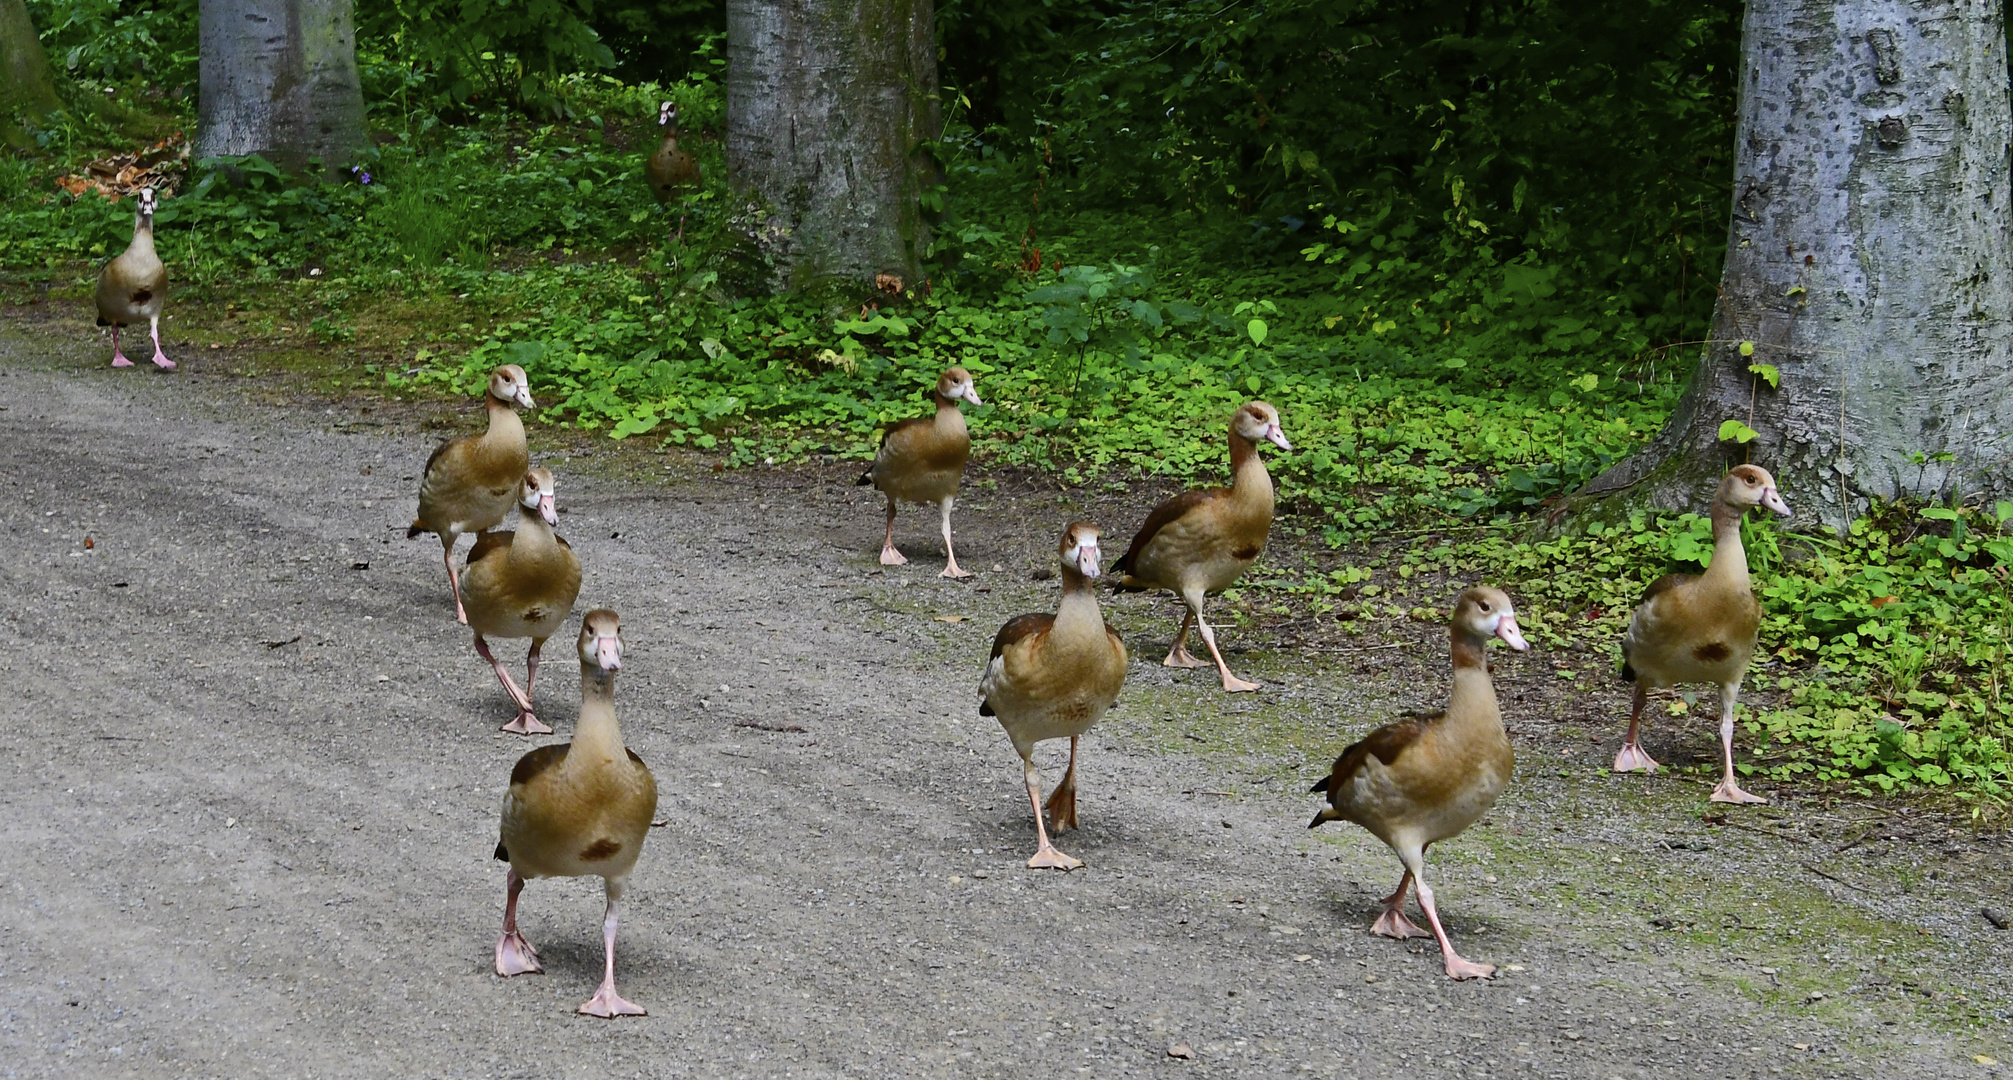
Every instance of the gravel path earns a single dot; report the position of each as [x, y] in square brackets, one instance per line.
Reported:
[251, 774]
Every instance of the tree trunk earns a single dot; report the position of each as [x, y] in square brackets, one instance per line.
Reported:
[829, 103]
[27, 89]
[1868, 263]
[279, 79]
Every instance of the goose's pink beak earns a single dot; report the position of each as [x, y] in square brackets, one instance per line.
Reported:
[1277, 437]
[608, 653]
[1773, 500]
[1506, 628]
[1086, 560]
[546, 510]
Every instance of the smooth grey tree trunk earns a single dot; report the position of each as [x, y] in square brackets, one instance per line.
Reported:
[1868, 261]
[27, 89]
[279, 79]
[829, 103]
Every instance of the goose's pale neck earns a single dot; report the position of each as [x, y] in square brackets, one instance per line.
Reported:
[597, 734]
[1474, 696]
[1078, 610]
[143, 236]
[1729, 556]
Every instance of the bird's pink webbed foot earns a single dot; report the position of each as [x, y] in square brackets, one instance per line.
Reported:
[527, 723]
[1632, 758]
[119, 360]
[891, 557]
[515, 956]
[160, 358]
[608, 1004]
[951, 570]
[1048, 858]
[1233, 684]
[1730, 792]
[1179, 657]
[1394, 924]
[1458, 968]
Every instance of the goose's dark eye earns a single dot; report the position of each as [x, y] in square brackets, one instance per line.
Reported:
[1484, 605]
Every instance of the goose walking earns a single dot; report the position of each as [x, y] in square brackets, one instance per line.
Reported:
[1053, 677]
[922, 460]
[134, 285]
[470, 483]
[1701, 628]
[1420, 781]
[578, 809]
[522, 585]
[1200, 542]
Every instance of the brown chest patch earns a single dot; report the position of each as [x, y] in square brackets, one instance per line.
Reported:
[536, 614]
[141, 296]
[1244, 554]
[1713, 652]
[599, 850]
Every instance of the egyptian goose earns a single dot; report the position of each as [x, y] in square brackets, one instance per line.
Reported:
[1423, 780]
[671, 171]
[921, 461]
[1701, 628]
[522, 585]
[133, 286]
[576, 809]
[471, 482]
[1052, 676]
[1199, 542]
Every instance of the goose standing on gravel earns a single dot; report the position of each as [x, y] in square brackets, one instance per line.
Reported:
[1701, 628]
[134, 285]
[1199, 542]
[1420, 781]
[1053, 676]
[922, 460]
[471, 482]
[577, 809]
[522, 585]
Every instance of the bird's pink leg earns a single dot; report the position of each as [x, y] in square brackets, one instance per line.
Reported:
[526, 722]
[950, 557]
[1178, 656]
[447, 540]
[1231, 683]
[1631, 758]
[118, 358]
[606, 1002]
[1393, 923]
[889, 556]
[1729, 790]
[1045, 857]
[160, 358]
[514, 955]
[1062, 801]
[1457, 968]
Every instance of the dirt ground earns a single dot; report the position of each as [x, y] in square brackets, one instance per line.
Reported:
[251, 776]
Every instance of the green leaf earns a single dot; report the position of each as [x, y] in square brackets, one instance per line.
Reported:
[1257, 329]
[1252, 383]
[1737, 431]
[1586, 384]
[1768, 374]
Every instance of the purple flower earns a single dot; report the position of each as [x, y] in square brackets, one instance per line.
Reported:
[357, 171]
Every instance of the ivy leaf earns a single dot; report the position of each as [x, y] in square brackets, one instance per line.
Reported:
[1747, 348]
[1257, 329]
[1737, 431]
[1768, 374]
[1587, 383]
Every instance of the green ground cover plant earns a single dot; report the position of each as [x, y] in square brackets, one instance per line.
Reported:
[1458, 333]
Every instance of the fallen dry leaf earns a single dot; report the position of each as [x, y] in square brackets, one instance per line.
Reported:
[1182, 1051]
[950, 618]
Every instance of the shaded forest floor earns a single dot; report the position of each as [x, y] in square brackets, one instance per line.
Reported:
[252, 788]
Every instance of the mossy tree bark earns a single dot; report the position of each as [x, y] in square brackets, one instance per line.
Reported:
[279, 79]
[830, 105]
[27, 88]
[1868, 264]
